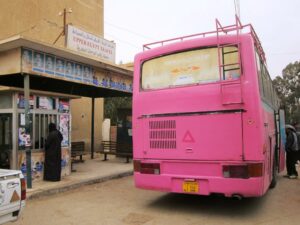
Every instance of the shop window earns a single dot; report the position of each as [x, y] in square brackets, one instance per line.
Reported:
[5, 139]
[5, 101]
[37, 139]
[41, 132]
[5, 131]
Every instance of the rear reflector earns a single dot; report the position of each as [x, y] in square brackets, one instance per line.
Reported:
[23, 189]
[137, 165]
[243, 171]
[146, 168]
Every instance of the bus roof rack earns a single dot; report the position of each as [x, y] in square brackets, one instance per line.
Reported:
[236, 28]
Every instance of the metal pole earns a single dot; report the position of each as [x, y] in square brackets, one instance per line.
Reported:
[15, 133]
[27, 128]
[65, 19]
[92, 129]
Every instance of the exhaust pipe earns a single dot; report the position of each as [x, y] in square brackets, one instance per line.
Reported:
[237, 197]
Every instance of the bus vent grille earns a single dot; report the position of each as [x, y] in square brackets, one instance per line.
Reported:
[162, 134]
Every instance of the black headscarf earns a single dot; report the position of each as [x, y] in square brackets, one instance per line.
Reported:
[52, 127]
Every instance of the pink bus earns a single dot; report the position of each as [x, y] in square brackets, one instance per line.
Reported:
[206, 118]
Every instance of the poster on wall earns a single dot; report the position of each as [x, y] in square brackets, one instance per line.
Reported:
[60, 67]
[65, 162]
[77, 72]
[27, 59]
[45, 103]
[64, 129]
[50, 63]
[38, 62]
[87, 74]
[37, 165]
[21, 101]
[63, 105]
[69, 70]
[24, 139]
[41, 63]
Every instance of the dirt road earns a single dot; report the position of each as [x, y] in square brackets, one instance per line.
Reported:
[118, 202]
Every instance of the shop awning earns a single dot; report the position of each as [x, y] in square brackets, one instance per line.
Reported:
[102, 79]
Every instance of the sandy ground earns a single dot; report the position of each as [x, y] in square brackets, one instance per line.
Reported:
[118, 202]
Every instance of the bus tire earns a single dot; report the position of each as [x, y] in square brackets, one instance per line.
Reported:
[274, 174]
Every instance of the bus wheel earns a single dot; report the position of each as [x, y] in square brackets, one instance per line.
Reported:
[274, 174]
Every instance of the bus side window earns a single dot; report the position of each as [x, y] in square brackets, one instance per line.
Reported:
[259, 73]
[231, 65]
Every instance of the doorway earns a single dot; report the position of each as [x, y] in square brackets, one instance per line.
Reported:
[5, 140]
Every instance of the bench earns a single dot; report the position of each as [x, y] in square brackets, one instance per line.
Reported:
[113, 148]
[77, 149]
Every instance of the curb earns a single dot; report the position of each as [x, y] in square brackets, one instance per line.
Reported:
[73, 186]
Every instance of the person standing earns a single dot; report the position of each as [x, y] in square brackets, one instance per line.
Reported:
[52, 168]
[291, 147]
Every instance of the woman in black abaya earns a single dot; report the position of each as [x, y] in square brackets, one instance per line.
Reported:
[52, 169]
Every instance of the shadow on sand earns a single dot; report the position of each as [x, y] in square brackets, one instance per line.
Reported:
[209, 205]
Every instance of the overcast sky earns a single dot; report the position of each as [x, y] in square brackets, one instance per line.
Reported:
[132, 23]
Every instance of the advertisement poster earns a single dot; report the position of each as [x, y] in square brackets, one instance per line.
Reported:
[37, 165]
[43, 63]
[50, 63]
[21, 101]
[65, 162]
[63, 106]
[87, 74]
[60, 67]
[22, 119]
[69, 69]
[27, 59]
[38, 62]
[78, 72]
[95, 80]
[64, 129]
[45, 103]
[24, 139]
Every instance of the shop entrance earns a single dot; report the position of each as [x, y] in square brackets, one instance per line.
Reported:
[5, 140]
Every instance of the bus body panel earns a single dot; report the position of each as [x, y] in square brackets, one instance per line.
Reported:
[207, 185]
[210, 136]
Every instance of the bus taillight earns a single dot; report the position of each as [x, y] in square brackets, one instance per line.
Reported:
[146, 168]
[255, 170]
[137, 165]
[243, 171]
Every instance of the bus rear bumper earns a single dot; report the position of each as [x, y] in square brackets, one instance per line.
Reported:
[251, 187]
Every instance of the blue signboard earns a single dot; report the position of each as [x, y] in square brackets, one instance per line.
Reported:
[43, 63]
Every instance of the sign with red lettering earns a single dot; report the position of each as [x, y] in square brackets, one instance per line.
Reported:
[88, 43]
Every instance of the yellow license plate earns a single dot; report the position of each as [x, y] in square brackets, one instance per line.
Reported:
[190, 186]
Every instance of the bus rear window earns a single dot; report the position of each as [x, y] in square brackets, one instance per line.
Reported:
[184, 68]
